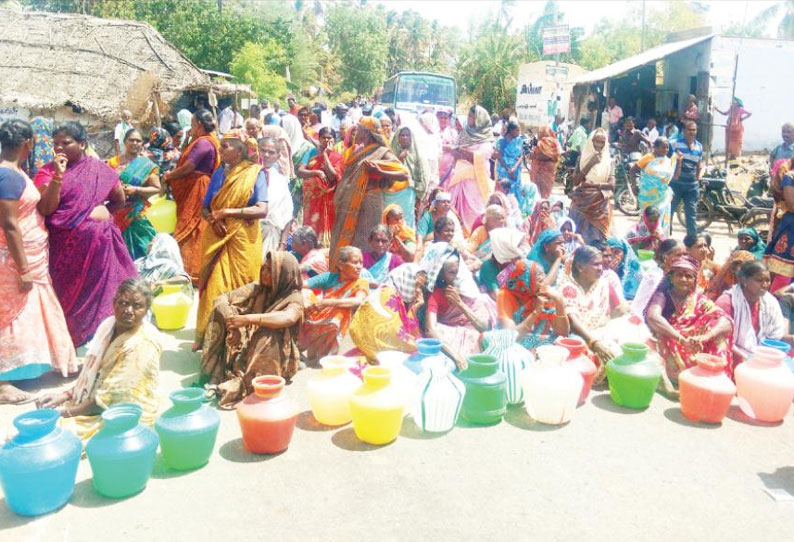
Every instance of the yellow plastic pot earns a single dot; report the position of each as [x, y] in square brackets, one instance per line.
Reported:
[172, 307]
[377, 407]
[162, 214]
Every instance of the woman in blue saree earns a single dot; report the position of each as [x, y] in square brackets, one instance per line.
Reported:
[378, 260]
[140, 180]
[508, 166]
[626, 265]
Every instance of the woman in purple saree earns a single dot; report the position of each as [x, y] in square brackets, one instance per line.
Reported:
[88, 258]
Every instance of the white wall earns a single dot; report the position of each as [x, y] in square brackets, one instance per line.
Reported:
[679, 68]
[535, 88]
[763, 82]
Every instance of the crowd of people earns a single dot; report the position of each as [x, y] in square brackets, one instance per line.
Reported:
[308, 233]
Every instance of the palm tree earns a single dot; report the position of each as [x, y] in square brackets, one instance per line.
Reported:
[785, 28]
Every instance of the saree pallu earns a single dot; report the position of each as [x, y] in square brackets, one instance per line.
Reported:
[33, 335]
[232, 261]
[136, 230]
[653, 188]
[358, 206]
[383, 323]
[693, 318]
[469, 183]
[318, 199]
[779, 256]
[381, 267]
[125, 370]
[591, 212]
[455, 330]
[542, 174]
[323, 331]
[188, 194]
[88, 257]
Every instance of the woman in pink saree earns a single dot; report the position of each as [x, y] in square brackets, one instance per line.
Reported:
[464, 169]
[88, 257]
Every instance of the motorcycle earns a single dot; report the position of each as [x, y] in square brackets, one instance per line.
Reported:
[718, 202]
[626, 178]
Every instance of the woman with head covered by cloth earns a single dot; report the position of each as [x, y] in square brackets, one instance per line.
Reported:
[371, 174]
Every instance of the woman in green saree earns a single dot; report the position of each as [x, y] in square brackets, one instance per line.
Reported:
[140, 180]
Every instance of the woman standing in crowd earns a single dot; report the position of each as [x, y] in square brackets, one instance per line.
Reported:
[734, 130]
[162, 148]
[510, 150]
[231, 248]
[140, 179]
[656, 169]
[431, 137]
[281, 208]
[88, 258]
[464, 169]
[34, 338]
[189, 182]
[360, 197]
[406, 147]
[320, 177]
[685, 321]
[544, 161]
[591, 209]
[253, 331]
[284, 161]
[122, 365]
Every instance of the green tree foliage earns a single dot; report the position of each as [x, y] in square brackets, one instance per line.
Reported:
[357, 38]
[254, 64]
[488, 67]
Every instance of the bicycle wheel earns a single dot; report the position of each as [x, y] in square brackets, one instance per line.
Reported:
[705, 214]
[626, 201]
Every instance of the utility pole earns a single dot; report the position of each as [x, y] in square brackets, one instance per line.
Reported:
[642, 36]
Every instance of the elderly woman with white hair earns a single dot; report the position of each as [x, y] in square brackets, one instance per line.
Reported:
[507, 247]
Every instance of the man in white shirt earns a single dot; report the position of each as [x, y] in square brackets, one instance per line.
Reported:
[121, 130]
[229, 119]
[650, 130]
[355, 113]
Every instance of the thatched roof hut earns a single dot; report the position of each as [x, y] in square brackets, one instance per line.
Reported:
[55, 64]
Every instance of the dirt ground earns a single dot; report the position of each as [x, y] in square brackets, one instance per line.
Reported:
[610, 474]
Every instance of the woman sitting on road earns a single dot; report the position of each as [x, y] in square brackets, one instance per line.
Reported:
[479, 243]
[648, 232]
[570, 239]
[750, 241]
[755, 312]
[728, 274]
[454, 316]
[625, 263]
[306, 248]
[403, 238]
[121, 366]
[253, 331]
[592, 300]
[685, 321]
[548, 252]
[539, 221]
[507, 247]
[328, 315]
[378, 260]
[651, 278]
[525, 303]
[699, 247]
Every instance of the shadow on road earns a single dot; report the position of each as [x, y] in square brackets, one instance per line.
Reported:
[413, 431]
[235, 452]
[736, 414]
[517, 417]
[307, 422]
[604, 402]
[782, 478]
[347, 440]
[675, 415]
[85, 496]
[9, 520]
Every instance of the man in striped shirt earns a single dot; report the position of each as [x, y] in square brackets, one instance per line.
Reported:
[685, 182]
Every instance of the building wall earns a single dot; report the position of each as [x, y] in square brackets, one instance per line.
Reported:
[536, 88]
[762, 82]
[679, 68]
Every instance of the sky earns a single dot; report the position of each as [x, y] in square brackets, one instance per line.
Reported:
[584, 13]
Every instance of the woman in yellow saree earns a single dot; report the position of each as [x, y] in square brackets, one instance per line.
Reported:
[372, 178]
[122, 365]
[231, 248]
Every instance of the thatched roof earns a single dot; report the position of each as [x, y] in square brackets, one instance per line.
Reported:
[102, 65]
